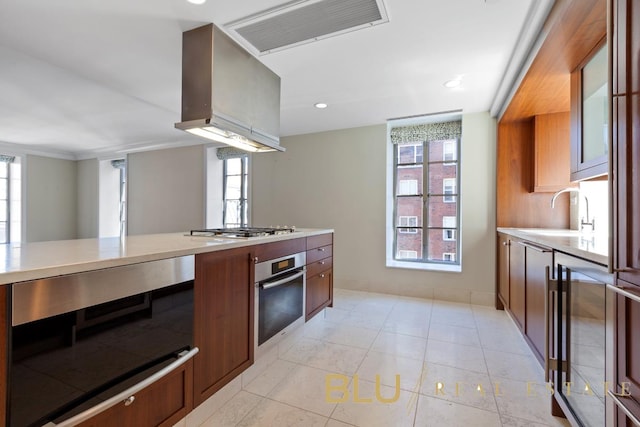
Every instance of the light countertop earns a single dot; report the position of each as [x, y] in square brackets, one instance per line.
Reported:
[37, 260]
[592, 247]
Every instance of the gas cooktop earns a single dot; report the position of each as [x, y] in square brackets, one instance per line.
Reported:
[242, 231]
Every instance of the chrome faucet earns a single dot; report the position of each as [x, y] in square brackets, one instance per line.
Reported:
[586, 204]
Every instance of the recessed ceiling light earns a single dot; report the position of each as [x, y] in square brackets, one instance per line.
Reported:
[320, 105]
[452, 83]
[196, 1]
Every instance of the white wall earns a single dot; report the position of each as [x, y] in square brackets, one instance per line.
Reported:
[50, 198]
[87, 198]
[166, 190]
[337, 179]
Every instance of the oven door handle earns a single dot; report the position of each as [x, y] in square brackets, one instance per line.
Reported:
[269, 285]
[127, 396]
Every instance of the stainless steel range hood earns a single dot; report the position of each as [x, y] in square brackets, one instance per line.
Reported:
[228, 95]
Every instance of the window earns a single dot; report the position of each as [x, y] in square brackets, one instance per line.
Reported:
[407, 187]
[423, 194]
[10, 199]
[410, 154]
[407, 254]
[449, 152]
[448, 225]
[235, 183]
[449, 190]
[408, 221]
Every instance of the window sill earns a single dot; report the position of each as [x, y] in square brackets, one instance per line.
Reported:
[392, 263]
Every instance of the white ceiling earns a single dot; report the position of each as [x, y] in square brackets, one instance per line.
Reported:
[87, 77]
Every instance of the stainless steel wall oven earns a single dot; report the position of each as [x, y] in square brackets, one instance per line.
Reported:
[280, 296]
[82, 343]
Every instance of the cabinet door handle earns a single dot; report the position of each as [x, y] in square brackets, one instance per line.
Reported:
[535, 247]
[625, 292]
[321, 263]
[321, 249]
[617, 400]
[128, 393]
[547, 324]
[505, 243]
[322, 276]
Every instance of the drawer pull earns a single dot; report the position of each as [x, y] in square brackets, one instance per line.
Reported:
[321, 249]
[129, 400]
[322, 263]
[127, 395]
[322, 275]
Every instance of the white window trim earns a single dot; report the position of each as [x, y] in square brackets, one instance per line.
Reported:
[408, 224]
[444, 186]
[411, 183]
[390, 231]
[451, 254]
[449, 228]
[449, 239]
[445, 144]
[408, 252]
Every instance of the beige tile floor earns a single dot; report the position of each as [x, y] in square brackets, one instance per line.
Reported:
[372, 347]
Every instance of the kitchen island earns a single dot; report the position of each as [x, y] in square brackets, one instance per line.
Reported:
[211, 309]
[37, 260]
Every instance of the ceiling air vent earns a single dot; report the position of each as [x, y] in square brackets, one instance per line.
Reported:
[305, 21]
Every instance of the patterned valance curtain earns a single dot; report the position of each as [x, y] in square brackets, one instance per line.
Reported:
[119, 164]
[224, 153]
[7, 159]
[426, 132]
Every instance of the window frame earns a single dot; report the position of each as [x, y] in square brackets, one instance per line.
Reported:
[392, 229]
[244, 192]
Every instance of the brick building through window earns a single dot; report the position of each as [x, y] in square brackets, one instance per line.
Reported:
[426, 200]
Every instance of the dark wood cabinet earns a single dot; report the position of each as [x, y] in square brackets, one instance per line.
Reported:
[4, 349]
[163, 403]
[628, 354]
[625, 33]
[552, 152]
[224, 318]
[537, 259]
[522, 276]
[502, 300]
[517, 288]
[319, 291]
[626, 140]
[590, 115]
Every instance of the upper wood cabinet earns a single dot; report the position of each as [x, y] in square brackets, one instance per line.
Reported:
[626, 140]
[626, 202]
[551, 152]
[590, 115]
